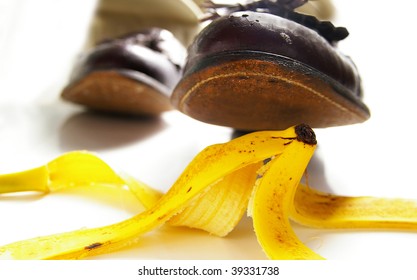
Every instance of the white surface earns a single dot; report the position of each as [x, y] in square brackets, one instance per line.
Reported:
[40, 39]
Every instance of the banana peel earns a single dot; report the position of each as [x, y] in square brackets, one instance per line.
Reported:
[258, 172]
[206, 170]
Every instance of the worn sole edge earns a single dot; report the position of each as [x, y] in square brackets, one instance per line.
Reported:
[184, 88]
[160, 91]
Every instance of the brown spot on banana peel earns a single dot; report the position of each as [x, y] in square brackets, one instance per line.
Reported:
[93, 246]
[162, 217]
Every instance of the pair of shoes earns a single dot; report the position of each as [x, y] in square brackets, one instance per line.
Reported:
[257, 66]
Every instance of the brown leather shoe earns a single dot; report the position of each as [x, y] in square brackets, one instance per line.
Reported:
[133, 74]
[254, 70]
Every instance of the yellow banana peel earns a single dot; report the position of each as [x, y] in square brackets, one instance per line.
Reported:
[72, 169]
[322, 210]
[258, 172]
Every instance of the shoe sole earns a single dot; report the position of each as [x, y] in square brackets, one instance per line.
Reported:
[261, 91]
[119, 91]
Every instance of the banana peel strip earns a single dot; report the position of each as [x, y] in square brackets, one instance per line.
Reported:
[322, 210]
[272, 201]
[258, 172]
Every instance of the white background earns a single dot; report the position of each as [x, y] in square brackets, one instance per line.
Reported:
[39, 41]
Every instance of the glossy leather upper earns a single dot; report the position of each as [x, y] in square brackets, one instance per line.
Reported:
[155, 53]
[254, 31]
